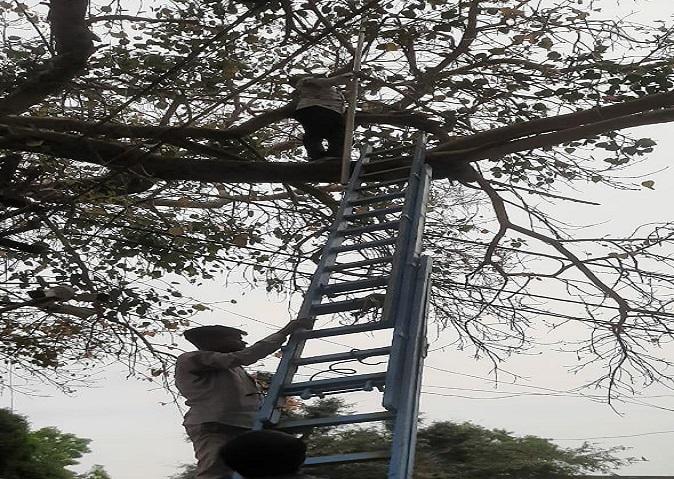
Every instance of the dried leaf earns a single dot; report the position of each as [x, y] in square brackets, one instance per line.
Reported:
[176, 231]
[240, 240]
[387, 47]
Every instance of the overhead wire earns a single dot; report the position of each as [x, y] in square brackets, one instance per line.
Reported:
[541, 312]
[272, 326]
[547, 392]
[445, 281]
[619, 436]
[493, 380]
[553, 298]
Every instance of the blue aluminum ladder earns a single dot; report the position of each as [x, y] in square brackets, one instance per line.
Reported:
[380, 221]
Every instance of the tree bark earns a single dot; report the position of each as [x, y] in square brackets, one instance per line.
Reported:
[176, 134]
[74, 45]
[115, 155]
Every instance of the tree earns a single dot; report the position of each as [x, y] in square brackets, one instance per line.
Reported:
[145, 146]
[448, 450]
[54, 451]
[188, 471]
[96, 472]
[41, 454]
[14, 444]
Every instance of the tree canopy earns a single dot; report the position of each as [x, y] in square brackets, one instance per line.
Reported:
[40, 454]
[448, 450]
[147, 143]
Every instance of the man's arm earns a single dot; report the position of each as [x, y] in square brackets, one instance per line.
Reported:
[209, 360]
[271, 343]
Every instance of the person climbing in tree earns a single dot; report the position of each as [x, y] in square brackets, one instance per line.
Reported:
[222, 398]
[320, 111]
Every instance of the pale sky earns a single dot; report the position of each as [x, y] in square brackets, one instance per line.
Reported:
[135, 437]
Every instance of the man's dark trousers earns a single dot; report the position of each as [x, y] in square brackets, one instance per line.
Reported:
[320, 124]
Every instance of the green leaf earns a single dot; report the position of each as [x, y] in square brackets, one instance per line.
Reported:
[645, 143]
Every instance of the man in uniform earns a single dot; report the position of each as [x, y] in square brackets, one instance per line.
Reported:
[222, 397]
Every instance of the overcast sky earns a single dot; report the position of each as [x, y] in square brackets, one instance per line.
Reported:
[135, 437]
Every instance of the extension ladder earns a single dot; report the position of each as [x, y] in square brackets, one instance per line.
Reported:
[380, 221]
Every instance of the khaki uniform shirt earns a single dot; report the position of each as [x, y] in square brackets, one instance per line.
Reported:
[320, 92]
[217, 388]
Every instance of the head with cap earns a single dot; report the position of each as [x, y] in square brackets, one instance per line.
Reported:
[222, 339]
[257, 454]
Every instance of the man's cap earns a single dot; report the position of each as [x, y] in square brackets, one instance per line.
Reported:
[197, 335]
[264, 453]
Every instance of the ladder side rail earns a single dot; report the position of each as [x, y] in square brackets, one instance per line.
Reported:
[390, 306]
[268, 413]
[395, 383]
[427, 176]
[401, 465]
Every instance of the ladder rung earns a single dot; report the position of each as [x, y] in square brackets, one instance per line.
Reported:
[356, 354]
[354, 382]
[390, 150]
[347, 305]
[342, 330]
[381, 165]
[365, 176]
[359, 264]
[365, 245]
[388, 225]
[373, 186]
[377, 199]
[335, 420]
[387, 159]
[344, 458]
[377, 212]
[355, 285]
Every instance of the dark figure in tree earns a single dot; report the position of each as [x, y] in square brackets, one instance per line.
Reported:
[320, 111]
